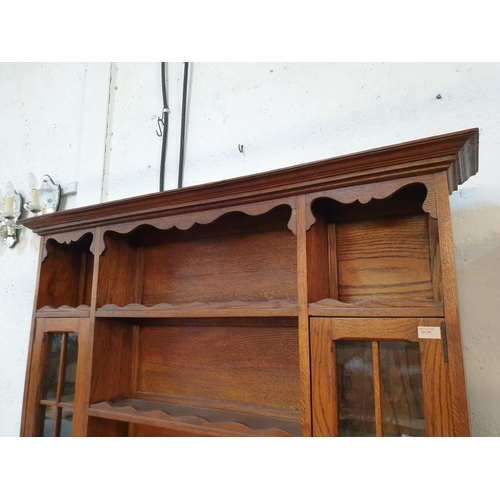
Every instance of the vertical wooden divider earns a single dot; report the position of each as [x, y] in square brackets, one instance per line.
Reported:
[334, 383]
[82, 280]
[435, 384]
[31, 347]
[324, 380]
[136, 330]
[303, 320]
[435, 260]
[34, 386]
[317, 261]
[134, 385]
[83, 370]
[449, 287]
[377, 389]
[88, 345]
[333, 271]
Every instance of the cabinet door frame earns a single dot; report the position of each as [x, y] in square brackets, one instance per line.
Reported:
[434, 366]
[43, 328]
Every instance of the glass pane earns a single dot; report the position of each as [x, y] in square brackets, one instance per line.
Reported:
[51, 371]
[356, 404]
[66, 422]
[48, 418]
[401, 389]
[68, 395]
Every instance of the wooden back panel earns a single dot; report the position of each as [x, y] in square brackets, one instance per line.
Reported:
[120, 271]
[66, 274]
[248, 363]
[112, 361]
[387, 258]
[249, 267]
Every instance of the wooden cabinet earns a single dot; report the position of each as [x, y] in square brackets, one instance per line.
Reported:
[55, 402]
[376, 377]
[313, 300]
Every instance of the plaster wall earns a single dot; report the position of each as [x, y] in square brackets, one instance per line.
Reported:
[96, 124]
[41, 111]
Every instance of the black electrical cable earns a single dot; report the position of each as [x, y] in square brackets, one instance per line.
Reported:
[183, 124]
[164, 133]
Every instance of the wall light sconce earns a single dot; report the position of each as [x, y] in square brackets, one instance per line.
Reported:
[44, 200]
[10, 210]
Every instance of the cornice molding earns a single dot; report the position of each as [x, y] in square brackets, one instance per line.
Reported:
[455, 153]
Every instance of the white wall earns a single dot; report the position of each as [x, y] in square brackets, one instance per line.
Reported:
[40, 130]
[283, 114]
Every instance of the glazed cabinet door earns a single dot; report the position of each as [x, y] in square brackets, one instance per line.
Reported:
[55, 405]
[380, 377]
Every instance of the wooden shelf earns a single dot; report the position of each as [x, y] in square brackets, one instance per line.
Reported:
[82, 311]
[234, 309]
[415, 308]
[195, 420]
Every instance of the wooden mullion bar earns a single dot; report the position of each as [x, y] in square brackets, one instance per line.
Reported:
[377, 389]
[61, 374]
[60, 383]
[46, 402]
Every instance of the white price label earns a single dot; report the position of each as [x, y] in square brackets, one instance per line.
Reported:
[429, 332]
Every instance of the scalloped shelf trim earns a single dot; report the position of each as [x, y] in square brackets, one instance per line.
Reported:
[235, 427]
[68, 238]
[81, 311]
[376, 191]
[280, 307]
[188, 220]
[82, 307]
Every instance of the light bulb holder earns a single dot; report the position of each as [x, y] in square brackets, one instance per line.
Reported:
[45, 199]
[10, 212]
[8, 231]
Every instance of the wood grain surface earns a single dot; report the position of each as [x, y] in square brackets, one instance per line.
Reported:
[384, 258]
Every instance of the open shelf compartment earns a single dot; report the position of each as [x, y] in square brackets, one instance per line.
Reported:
[375, 259]
[237, 265]
[224, 376]
[66, 272]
